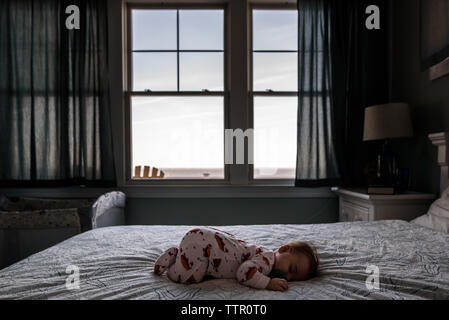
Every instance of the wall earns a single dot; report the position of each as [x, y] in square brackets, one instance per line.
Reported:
[216, 212]
[429, 100]
[253, 206]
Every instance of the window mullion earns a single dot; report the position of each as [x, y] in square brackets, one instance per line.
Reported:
[177, 46]
[239, 108]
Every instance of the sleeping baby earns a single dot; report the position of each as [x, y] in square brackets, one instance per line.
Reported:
[211, 253]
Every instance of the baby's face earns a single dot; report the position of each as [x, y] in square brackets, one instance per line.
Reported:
[295, 265]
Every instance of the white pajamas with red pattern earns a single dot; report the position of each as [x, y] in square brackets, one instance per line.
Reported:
[217, 254]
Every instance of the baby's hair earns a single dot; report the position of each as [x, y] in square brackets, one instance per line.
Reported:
[310, 252]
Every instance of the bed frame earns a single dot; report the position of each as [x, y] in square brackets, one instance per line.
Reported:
[441, 140]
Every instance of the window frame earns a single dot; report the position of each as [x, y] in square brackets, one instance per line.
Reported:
[234, 175]
[129, 93]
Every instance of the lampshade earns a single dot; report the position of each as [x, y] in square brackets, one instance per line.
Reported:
[387, 121]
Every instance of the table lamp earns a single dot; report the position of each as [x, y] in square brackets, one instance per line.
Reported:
[386, 122]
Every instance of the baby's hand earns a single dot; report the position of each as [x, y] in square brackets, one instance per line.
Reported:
[277, 285]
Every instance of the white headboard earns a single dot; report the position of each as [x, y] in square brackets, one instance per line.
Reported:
[441, 140]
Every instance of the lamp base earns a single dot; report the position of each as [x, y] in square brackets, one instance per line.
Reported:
[386, 166]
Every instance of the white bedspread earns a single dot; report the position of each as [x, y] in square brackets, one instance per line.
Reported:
[117, 263]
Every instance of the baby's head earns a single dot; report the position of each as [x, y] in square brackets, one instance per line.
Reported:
[298, 260]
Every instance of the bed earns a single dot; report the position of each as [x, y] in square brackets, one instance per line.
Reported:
[117, 263]
[412, 262]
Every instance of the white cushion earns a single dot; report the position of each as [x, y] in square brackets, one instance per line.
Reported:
[437, 218]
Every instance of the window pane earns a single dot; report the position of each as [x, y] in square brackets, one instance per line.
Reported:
[200, 71]
[154, 29]
[154, 71]
[183, 136]
[275, 137]
[201, 29]
[275, 71]
[275, 30]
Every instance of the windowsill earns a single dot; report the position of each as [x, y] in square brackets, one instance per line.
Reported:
[253, 191]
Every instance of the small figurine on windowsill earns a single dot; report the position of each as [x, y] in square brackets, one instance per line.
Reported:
[155, 173]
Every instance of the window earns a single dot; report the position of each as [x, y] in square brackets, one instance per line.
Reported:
[177, 97]
[180, 103]
[275, 92]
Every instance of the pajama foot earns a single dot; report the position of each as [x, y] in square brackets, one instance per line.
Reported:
[165, 260]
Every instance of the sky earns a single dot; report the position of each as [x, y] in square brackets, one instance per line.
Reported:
[188, 132]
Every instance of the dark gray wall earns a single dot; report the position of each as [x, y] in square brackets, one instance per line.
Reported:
[231, 211]
[307, 207]
[429, 100]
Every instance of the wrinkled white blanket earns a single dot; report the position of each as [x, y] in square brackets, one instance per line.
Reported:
[117, 263]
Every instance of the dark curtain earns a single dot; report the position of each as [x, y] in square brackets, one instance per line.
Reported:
[54, 94]
[343, 68]
[316, 157]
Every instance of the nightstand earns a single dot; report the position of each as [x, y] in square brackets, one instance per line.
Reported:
[358, 205]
